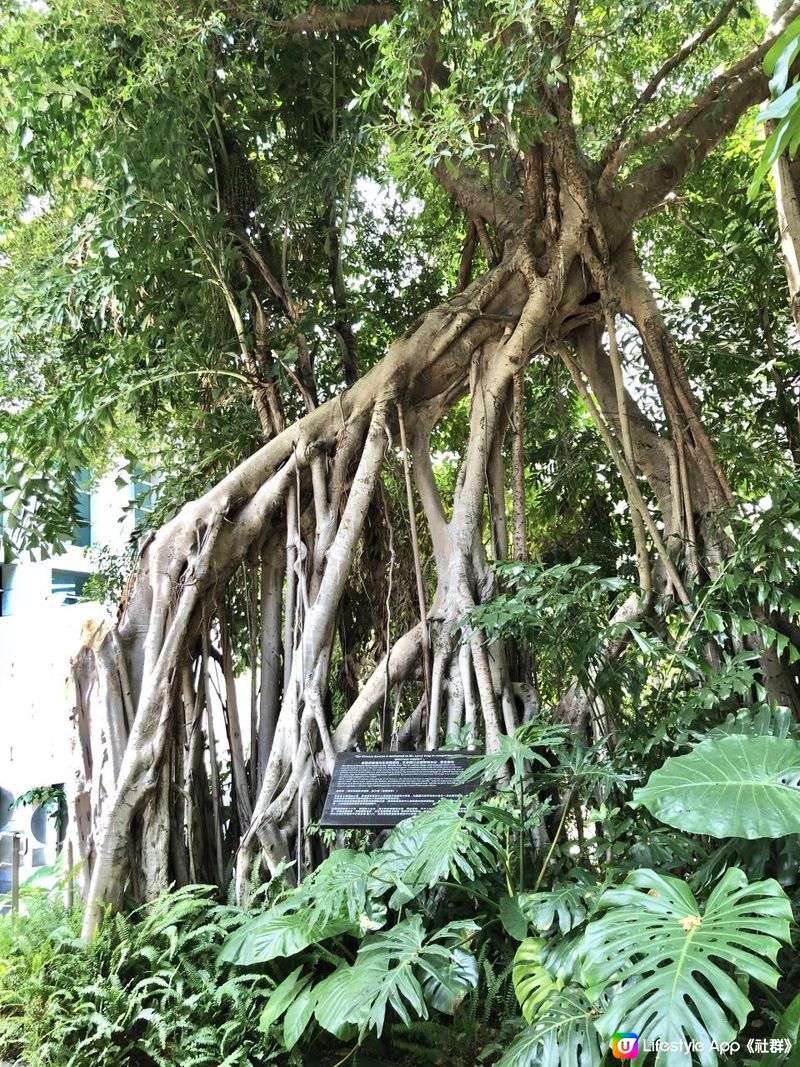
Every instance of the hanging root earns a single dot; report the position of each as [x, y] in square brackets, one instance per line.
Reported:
[294, 520]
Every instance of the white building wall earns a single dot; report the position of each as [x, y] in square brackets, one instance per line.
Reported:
[38, 637]
[112, 525]
[27, 584]
[35, 653]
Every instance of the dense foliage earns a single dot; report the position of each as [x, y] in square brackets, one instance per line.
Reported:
[446, 918]
[558, 522]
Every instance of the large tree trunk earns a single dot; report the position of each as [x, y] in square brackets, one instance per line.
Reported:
[297, 509]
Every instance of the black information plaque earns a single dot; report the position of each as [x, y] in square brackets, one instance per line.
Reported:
[382, 789]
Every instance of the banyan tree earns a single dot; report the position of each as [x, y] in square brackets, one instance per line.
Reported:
[556, 135]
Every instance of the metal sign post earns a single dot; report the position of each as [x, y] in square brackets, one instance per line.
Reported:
[19, 847]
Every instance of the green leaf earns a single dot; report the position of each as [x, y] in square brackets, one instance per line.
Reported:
[781, 107]
[789, 35]
[388, 973]
[674, 958]
[773, 148]
[446, 987]
[754, 721]
[298, 1016]
[345, 882]
[567, 901]
[561, 957]
[562, 1036]
[342, 896]
[516, 749]
[780, 76]
[279, 933]
[451, 839]
[789, 1023]
[514, 922]
[735, 786]
[282, 997]
[533, 984]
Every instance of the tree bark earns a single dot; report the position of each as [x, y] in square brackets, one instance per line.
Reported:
[300, 495]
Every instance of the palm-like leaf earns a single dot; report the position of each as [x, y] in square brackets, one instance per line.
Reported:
[563, 1035]
[452, 839]
[735, 786]
[518, 749]
[390, 970]
[569, 902]
[764, 721]
[666, 951]
[446, 988]
[342, 896]
[279, 932]
[347, 882]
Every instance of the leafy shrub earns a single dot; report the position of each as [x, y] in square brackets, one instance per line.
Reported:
[149, 990]
[459, 940]
[372, 943]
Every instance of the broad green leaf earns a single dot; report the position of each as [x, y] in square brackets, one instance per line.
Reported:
[781, 107]
[389, 972]
[515, 749]
[298, 1016]
[279, 933]
[759, 722]
[775, 144]
[677, 961]
[450, 840]
[561, 957]
[562, 1036]
[283, 996]
[735, 786]
[533, 984]
[345, 882]
[342, 896]
[784, 42]
[514, 922]
[447, 985]
[567, 902]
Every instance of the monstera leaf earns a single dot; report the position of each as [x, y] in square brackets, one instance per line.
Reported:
[533, 984]
[674, 959]
[280, 932]
[735, 786]
[399, 969]
[563, 1035]
[568, 903]
[342, 896]
[450, 840]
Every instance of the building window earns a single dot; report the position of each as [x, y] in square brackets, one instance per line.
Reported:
[67, 586]
[82, 533]
[143, 498]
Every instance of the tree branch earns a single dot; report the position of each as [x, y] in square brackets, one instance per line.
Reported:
[570, 16]
[618, 150]
[698, 128]
[628, 476]
[320, 20]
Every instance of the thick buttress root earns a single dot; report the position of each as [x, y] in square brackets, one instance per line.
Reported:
[148, 802]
